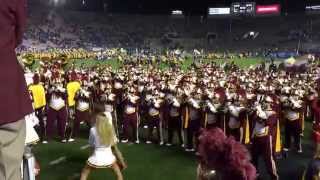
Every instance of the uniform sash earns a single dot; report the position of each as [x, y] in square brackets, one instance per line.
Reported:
[247, 131]
[186, 118]
[278, 138]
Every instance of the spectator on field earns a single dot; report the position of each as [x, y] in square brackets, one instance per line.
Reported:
[15, 100]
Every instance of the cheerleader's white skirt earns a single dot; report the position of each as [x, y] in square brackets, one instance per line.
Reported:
[31, 134]
[101, 158]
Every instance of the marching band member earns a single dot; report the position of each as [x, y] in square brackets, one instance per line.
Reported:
[39, 103]
[316, 124]
[220, 94]
[251, 100]
[174, 115]
[236, 118]
[212, 110]
[130, 116]
[82, 110]
[192, 118]
[154, 103]
[293, 114]
[72, 88]
[57, 110]
[262, 138]
[118, 90]
[272, 98]
[311, 96]
[110, 107]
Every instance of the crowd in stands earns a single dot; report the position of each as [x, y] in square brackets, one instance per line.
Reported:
[67, 30]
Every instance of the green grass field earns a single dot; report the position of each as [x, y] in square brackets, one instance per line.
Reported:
[144, 161]
[150, 162]
[242, 63]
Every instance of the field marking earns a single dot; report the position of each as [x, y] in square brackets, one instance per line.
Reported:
[76, 175]
[85, 147]
[57, 161]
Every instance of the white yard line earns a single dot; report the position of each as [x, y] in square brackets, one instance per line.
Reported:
[57, 161]
[76, 175]
[85, 147]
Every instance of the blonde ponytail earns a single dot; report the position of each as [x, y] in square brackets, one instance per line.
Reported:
[105, 130]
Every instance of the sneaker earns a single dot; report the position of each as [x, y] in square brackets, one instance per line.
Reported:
[285, 149]
[145, 127]
[71, 140]
[300, 151]
[258, 175]
[148, 142]
[44, 142]
[64, 141]
[182, 145]
[124, 140]
[189, 150]
[279, 156]
[285, 154]
[168, 144]
[161, 143]
[137, 142]
[81, 123]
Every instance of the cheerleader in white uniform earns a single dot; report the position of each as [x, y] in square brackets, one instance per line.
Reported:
[31, 134]
[30, 167]
[105, 154]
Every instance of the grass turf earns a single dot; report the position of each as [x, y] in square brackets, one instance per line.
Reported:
[115, 64]
[144, 161]
[149, 162]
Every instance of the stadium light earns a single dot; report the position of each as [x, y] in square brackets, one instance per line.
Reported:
[176, 12]
[313, 7]
[57, 3]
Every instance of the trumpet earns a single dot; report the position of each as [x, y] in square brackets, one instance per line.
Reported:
[84, 93]
[295, 103]
[194, 103]
[213, 107]
[132, 98]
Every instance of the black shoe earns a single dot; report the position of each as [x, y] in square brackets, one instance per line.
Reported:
[285, 154]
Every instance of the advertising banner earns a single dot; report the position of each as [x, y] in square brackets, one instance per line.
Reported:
[268, 9]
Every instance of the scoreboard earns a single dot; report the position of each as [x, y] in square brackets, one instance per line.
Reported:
[243, 8]
[250, 9]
